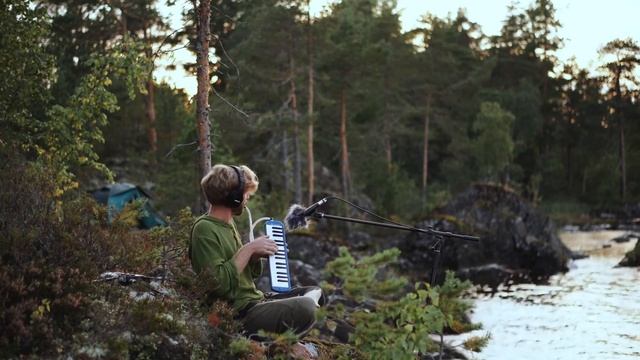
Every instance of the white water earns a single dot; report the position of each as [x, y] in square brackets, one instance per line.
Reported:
[591, 312]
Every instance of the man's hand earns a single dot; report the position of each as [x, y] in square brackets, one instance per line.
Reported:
[263, 247]
[254, 250]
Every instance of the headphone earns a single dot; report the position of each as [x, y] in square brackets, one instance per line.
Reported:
[236, 196]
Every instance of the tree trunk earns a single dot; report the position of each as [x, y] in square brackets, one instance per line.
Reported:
[621, 152]
[297, 166]
[150, 111]
[387, 130]
[150, 102]
[425, 152]
[623, 165]
[569, 170]
[202, 99]
[345, 168]
[387, 149]
[310, 158]
[286, 164]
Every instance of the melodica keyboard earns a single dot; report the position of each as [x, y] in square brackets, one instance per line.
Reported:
[279, 262]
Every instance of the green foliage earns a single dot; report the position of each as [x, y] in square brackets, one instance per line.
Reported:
[49, 253]
[451, 305]
[436, 197]
[52, 253]
[59, 58]
[398, 330]
[280, 344]
[392, 190]
[493, 146]
[359, 276]
[175, 174]
[566, 212]
[63, 136]
[476, 343]
[26, 73]
[240, 347]
[73, 130]
[398, 326]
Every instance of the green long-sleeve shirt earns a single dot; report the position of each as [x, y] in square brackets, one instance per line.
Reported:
[214, 245]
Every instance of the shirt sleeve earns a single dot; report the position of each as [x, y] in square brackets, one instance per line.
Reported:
[207, 260]
[256, 268]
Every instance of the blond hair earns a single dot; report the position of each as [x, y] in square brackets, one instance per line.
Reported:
[222, 180]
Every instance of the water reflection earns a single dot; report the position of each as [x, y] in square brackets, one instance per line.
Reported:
[591, 312]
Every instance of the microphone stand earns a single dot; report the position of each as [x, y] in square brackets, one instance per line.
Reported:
[436, 248]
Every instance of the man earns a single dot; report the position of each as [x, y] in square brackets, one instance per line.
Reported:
[216, 250]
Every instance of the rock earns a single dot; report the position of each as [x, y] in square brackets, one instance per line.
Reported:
[517, 240]
[570, 228]
[263, 284]
[491, 275]
[625, 238]
[311, 250]
[359, 240]
[304, 274]
[595, 227]
[327, 180]
[449, 352]
[632, 258]
[301, 275]
[577, 255]
[623, 217]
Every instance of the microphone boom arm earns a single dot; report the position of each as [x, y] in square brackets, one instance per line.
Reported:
[319, 215]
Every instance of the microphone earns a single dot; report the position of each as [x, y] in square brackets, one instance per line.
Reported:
[297, 215]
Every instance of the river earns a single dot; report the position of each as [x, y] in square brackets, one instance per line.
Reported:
[590, 312]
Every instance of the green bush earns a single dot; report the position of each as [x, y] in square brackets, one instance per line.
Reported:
[45, 271]
[53, 250]
[397, 324]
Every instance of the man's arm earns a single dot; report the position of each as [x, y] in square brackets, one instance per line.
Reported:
[207, 258]
[260, 247]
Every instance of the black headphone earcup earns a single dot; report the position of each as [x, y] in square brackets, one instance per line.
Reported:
[236, 196]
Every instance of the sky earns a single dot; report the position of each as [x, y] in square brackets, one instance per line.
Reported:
[586, 26]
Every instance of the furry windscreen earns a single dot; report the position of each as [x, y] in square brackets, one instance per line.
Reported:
[294, 218]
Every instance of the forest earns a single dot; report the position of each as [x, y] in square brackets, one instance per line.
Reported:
[345, 104]
[405, 119]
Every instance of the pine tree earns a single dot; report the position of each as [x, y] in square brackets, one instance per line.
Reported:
[446, 88]
[621, 81]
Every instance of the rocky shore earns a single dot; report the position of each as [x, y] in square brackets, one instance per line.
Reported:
[518, 242]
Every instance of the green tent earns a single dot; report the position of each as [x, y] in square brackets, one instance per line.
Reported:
[117, 195]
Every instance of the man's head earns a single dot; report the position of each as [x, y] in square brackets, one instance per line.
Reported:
[224, 181]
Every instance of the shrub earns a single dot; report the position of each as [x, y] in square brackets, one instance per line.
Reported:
[45, 271]
[53, 250]
[396, 326]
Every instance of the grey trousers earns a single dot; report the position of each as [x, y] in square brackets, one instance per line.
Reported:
[280, 312]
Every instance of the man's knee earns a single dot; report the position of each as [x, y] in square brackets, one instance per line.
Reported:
[315, 293]
[306, 309]
[304, 314]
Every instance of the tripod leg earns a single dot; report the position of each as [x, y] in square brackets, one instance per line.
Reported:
[437, 251]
